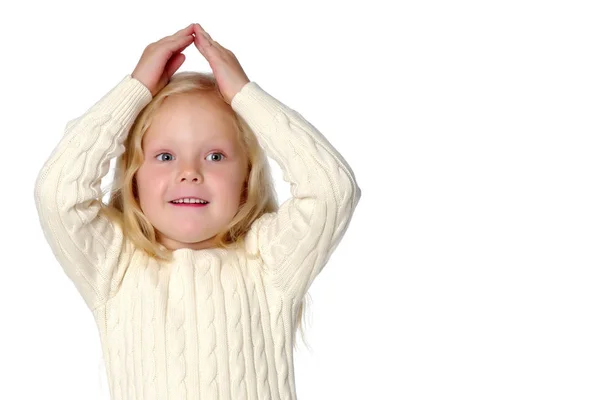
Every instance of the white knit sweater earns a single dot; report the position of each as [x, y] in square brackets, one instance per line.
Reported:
[212, 324]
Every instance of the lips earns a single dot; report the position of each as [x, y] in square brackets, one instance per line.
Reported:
[189, 204]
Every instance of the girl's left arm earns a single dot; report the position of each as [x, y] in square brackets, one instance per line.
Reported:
[296, 242]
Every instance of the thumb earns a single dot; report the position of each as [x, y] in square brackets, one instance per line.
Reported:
[173, 64]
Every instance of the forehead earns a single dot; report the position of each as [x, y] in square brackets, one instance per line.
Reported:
[189, 120]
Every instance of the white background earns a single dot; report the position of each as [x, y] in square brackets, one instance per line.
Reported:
[471, 266]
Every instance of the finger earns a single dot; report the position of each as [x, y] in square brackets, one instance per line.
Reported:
[185, 31]
[179, 40]
[202, 44]
[199, 31]
[178, 44]
[203, 36]
[182, 32]
[219, 47]
[208, 44]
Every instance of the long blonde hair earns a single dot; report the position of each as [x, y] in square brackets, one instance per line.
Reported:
[258, 197]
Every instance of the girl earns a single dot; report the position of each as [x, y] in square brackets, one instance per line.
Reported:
[194, 275]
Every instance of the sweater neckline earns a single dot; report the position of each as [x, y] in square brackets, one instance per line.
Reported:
[186, 253]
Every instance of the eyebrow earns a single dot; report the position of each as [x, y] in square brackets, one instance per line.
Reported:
[212, 139]
[160, 145]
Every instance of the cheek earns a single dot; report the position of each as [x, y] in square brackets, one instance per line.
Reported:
[149, 180]
[229, 180]
[141, 179]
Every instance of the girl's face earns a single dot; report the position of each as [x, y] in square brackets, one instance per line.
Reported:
[190, 150]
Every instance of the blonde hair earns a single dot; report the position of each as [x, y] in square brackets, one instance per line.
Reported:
[258, 196]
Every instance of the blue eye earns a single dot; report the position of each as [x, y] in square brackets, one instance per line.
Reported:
[216, 153]
[161, 155]
[208, 156]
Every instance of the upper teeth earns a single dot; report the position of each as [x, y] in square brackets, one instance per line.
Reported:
[188, 200]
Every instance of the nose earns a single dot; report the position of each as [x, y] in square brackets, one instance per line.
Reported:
[191, 174]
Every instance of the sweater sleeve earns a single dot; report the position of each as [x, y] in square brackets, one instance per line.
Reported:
[87, 245]
[296, 242]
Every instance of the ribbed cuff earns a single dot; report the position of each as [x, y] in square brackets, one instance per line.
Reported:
[256, 106]
[125, 101]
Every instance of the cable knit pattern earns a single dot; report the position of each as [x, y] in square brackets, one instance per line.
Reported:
[212, 323]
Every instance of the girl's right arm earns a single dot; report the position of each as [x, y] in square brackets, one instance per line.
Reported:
[85, 242]
[91, 248]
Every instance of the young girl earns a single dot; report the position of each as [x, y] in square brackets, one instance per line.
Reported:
[194, 275]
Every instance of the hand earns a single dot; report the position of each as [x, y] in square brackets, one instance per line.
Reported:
[226, 68]
[161, 59]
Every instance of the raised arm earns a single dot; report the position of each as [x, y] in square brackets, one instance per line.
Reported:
[296, 242]
[89, 247]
